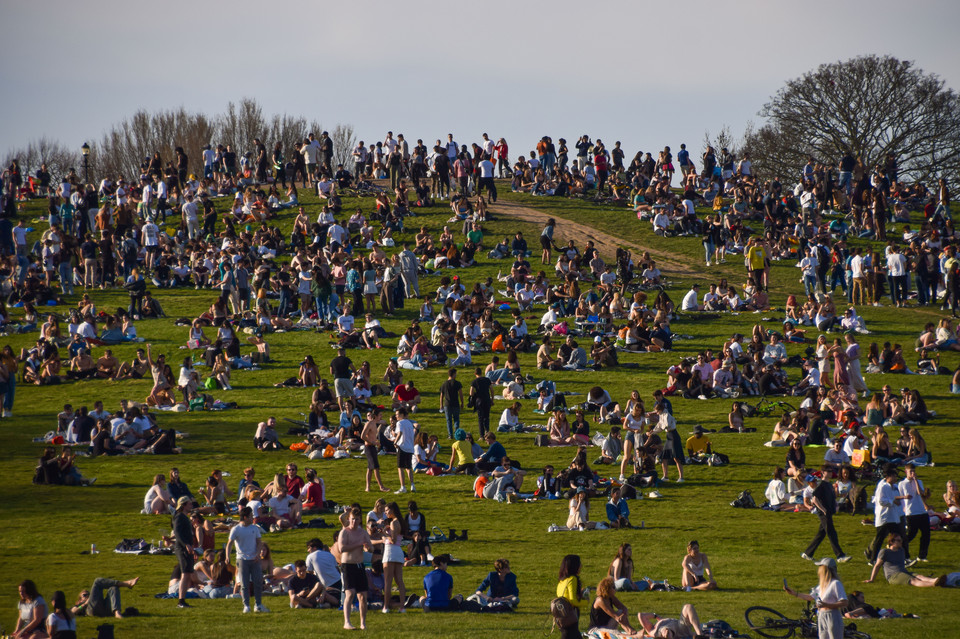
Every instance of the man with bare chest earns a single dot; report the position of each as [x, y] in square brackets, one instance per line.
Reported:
[351, 543]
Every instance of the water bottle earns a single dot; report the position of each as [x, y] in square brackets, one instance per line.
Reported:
[93, 549]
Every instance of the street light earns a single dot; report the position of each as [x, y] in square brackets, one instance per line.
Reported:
[85, 150]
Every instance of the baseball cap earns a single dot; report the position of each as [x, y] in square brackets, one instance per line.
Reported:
[827, 561]
[809, 478]
[183, 501]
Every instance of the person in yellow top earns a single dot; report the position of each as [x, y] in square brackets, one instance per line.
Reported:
[756, 260]
[462, 453]
[698, 443]
[570, 589]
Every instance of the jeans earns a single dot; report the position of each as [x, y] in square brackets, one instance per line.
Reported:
[250, 570]
[898, 288]
[810, 284]
[11, 392]
[483, 419]
[845, 182]
[923, 287]
[453, 420]
[66, 277]
[109, 588]
[919, 524]
[827, 530]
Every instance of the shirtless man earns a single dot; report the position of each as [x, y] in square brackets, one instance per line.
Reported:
[351, 544]
[370, 437]
[107, 365]
[83, 366]
[135, 369]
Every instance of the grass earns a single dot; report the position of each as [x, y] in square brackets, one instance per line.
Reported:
[48, 528]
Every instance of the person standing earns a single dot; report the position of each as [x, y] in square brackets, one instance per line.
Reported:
[486, 168]
[183, 541]
[915, 509]
[887, 512]
[408, 272]
[246, 538]
[351, 543]
[341, 367]
[829, 597]
[820, 499]
[451, 399]
[404, 432]
[481, 391]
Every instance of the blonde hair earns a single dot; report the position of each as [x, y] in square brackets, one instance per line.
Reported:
[827, 575]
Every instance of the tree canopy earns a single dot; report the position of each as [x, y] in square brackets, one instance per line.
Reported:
[871, 105]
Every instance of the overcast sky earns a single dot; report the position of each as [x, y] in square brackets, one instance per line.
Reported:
[647, 73]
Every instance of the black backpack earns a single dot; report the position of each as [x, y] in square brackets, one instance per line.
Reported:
[744, 500]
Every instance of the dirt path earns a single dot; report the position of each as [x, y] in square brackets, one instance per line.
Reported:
[605, 243]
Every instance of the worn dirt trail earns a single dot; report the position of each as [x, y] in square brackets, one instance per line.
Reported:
[607, 244]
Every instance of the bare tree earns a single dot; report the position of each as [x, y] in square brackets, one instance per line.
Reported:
[873, 106]
[58, 158]
[240, 124]
[723, 140]
[343, 142]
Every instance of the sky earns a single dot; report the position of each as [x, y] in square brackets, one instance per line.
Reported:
[647, 73]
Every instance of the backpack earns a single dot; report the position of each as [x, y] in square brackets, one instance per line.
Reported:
[542, 440]
[563, 612]
[744, 500]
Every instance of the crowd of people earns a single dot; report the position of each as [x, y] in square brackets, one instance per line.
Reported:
[164, 228]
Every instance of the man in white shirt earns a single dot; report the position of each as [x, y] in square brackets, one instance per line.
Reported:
[189, 212]
[487, 146]
[859, 293]
[359, 160]
[325, 187]
[835, 458]
[810, 381]
[661, 222]
[404, 432]
[245, 537]
[452, 148]
[146, 202]
[161, 199]
[150, 236]
[897, 271]
[321, 562]
[886, 512]
[209, 155]
[336, 234]
[808, 266]
[915, 509]
[689, 302]
[486, 178]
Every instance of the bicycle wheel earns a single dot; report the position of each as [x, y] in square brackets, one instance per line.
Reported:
[767, 622]
[787, 407]
[855, 634]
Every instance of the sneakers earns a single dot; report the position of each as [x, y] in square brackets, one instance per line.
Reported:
[553, 528]
[909, 562]
[402, 490]
[653, 494]
[804, 555]
[679, 480]
[843, 559]
[622, 479]
[246, 609]
[413, 488]
[184, 604]
[923, 559]
[7, 413]
[261, 608]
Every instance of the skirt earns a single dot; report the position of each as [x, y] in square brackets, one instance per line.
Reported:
[370, 288]
[393, 554]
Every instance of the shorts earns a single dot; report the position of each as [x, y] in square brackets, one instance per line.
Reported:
[184, 559]
[335, 589]
[393, 554]
[404, 459]
[900, 579]
[152, 249]
[544, 242]
[370, 288]
[373, 459]
[354, 577]
[343, 387]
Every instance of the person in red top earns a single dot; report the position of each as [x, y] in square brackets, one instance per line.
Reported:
[314, 492]
[600, 163]
[503, 161]
[406, 396]
[294, 481]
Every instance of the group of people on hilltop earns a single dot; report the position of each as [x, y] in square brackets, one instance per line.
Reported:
[342, 268]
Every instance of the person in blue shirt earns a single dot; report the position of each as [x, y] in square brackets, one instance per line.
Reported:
[499, 586]
[438, 586]
[491, 459]
[618, 512]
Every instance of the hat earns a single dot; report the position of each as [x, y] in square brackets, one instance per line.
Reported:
[459, 435]
[183, 501]
[581, 489]
[827, 561]
[809, 478]
[597, 339]
[698, 429]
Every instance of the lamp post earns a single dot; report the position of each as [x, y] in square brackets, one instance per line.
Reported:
[85, 150]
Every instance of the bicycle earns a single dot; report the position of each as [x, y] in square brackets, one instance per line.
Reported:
[765, 407]
[773, 624]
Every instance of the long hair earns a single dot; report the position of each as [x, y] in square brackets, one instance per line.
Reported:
[59, 604]
[30, 588]
[622, 556]
[827, 574]
[570, 567]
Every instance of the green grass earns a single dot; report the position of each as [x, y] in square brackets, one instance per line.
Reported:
[48, 528]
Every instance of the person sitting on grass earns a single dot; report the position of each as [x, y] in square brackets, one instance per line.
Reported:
[697, 573]
[498, 587]
[304, 588]
[579, 511]
[438, 586]
[103, 598]
[607, 612]
[618, 512]
[33, 612]
[893, 561]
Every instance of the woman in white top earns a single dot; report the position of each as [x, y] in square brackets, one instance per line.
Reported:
[776, 492]
[829, 597]
[61, 624]
[158, 501]
[511, 416]
[33, 612]
[633, 425]
[393, 557]
[823, 357]
[697, 573]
